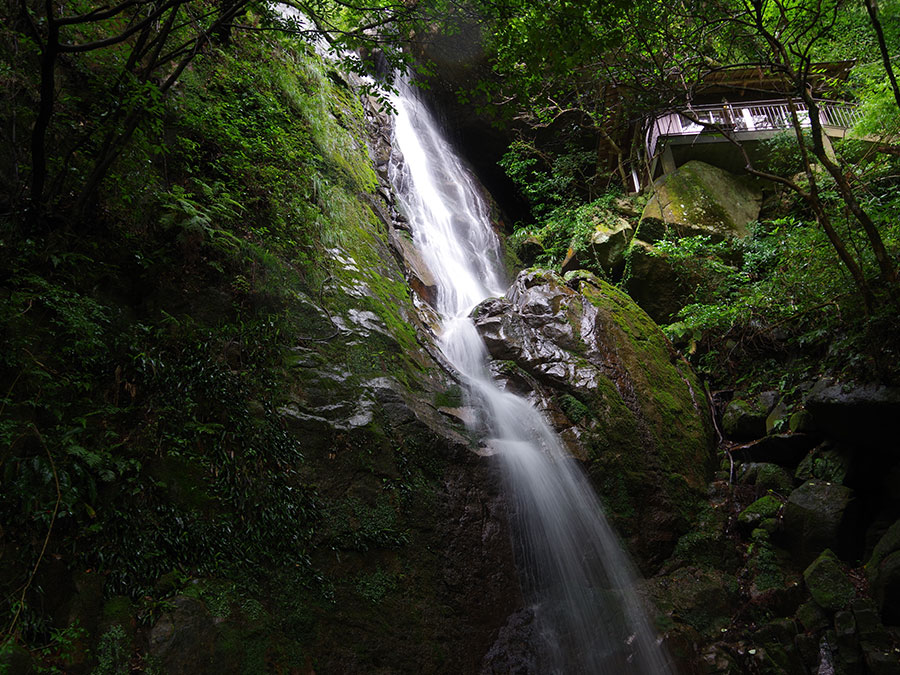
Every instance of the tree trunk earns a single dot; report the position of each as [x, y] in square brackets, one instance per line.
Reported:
[49, 52]
[872, 9]
[888, 271]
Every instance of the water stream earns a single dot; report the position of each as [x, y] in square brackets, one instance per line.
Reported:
[576, 576]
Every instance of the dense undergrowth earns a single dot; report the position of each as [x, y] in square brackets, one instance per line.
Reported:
[147, 348]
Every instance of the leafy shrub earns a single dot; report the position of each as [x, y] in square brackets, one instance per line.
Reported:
[784, 306]
[567, 227]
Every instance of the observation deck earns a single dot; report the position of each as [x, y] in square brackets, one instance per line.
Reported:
[681, 135]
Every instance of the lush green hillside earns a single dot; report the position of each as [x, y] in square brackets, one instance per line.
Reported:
[226, 444]
[209, 373]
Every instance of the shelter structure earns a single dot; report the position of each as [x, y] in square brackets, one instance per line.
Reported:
[749, 104]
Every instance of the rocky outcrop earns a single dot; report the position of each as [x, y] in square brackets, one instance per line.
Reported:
[658, 286]
[883, 570]
[183, 640]
[696, 199]
[699, 198]
[867, 414]
[607, 245]
[616, 391]
[744, 420]
[801, 509]
[828, 583]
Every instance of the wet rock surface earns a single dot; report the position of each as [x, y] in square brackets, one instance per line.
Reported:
[514, 652]
[615, 390]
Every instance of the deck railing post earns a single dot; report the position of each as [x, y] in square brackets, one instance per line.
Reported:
[747, 116]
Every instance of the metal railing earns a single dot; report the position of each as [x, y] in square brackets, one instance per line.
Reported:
[747, 116]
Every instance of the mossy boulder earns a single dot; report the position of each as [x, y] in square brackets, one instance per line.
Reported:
[708, 544]
[642, 422]
[608, 243]
[700, 598]
[826, 463]
[828, 583]
[773, 582]
[801, 422]
[812, 617]
[660, 287]
[766, 476]
[818, 516]
[744, 420]
[699, 198]
[768, 506]
[883, 570]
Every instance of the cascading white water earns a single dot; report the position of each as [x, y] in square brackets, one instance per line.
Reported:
[577, 576]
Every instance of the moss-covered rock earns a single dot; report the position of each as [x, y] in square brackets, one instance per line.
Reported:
[708, 543]
[744, 420]
[828, 583]
[699, 598]
[642, 420]
[825, 463]
[765, 476]
[883, 570]
[608, 243]
[812, 617]
[768, 506]
[246, 397]
[699, 198]
[658, 285]
[819, 515]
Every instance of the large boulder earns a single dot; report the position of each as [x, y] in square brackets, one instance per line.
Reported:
[660, 287]
[828, 583]
[744, 420]
[696, 199]
[607, 245]
[618, 393]
[820, 515]
[883, 570]
[861, 415]
[184, 638]
[699, 198]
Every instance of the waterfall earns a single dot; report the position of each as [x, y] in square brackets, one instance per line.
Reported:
[576, 576]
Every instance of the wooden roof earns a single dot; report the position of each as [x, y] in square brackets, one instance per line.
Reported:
[758, 79]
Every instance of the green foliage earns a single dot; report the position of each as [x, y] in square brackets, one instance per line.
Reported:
[574, 409]
[548, 180]
[375, 586]
[143, 364]
[783, 300]
[113, 652]
[566, 227]
[358, 526]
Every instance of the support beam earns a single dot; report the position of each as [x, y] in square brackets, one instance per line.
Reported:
[668, 160]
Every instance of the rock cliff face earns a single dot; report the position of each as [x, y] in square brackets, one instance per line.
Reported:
[412, 553]
[618, 394]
